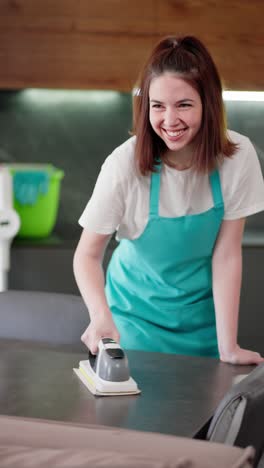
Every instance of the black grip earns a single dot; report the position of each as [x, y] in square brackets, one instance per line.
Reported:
[108, 340]
[115, 353]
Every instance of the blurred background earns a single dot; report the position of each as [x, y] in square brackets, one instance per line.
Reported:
[67, 70]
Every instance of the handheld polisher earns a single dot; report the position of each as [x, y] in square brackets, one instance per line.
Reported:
[107, 372]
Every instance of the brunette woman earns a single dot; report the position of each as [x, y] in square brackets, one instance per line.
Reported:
[177, 194]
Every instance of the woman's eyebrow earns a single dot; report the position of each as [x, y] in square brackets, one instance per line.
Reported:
[155, 100]
[186, 99]
[178, 102]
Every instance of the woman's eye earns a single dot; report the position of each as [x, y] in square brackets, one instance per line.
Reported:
[156, 106]
[185, 104]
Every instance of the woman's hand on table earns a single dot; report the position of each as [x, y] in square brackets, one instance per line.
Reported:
[101, 326]
[241, 356]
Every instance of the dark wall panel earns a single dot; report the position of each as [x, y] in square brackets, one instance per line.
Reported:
[76, 130]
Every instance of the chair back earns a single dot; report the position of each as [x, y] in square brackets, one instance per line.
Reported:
[239, 418]
[53, 318]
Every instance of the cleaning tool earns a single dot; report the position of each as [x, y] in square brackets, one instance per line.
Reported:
[107, 372]
[9, 224]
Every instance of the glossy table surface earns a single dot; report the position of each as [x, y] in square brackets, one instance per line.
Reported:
[179, 393]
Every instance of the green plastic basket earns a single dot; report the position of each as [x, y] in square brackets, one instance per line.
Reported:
[38, 216]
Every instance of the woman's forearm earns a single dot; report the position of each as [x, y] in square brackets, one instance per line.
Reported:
[227, 274]
[90, 279]
[89, 275]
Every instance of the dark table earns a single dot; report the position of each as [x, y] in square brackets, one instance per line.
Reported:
[179, 393]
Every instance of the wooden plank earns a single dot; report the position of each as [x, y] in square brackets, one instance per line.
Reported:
[58, 61]
[102, 44]
[113, 16]
[206, 17]
[232, 31]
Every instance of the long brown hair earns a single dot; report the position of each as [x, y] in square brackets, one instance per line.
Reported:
[190, 59]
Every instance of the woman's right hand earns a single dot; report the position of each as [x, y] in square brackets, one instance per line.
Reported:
[101, 326]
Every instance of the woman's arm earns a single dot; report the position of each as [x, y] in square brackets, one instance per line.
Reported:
[89, 275]
[227, 274]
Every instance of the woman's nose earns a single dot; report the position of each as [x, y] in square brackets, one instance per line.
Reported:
[171, 117]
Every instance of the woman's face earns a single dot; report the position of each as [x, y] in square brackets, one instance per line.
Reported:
[175, 111]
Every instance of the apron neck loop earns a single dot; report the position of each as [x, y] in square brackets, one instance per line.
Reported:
[154, 191]
[216, 189]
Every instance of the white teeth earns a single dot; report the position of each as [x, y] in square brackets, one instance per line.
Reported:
[175, 134]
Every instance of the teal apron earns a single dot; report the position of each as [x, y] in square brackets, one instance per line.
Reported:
[159, 286]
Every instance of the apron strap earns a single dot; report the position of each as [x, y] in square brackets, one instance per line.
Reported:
[216, 189]
[154, 192]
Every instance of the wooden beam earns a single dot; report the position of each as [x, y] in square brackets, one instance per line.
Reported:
[102, 45]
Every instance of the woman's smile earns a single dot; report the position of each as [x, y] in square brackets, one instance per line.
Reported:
[174, 135]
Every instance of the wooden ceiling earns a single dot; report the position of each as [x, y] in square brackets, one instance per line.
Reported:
[85, 44]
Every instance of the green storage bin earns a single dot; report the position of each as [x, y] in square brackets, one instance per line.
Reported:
[36, 189]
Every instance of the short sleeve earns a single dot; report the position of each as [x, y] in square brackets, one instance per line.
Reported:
[242, 183]
[104, 211]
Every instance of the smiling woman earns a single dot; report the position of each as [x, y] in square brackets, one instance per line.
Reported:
[187, 60]
[177, 194]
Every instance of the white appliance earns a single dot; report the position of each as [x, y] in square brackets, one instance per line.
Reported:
[9, 224]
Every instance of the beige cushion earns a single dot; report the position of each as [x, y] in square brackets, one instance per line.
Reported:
[25, 457]
[28, 443]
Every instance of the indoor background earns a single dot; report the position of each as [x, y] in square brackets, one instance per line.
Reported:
[67, 70]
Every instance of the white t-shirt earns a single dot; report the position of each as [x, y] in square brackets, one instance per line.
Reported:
[120, 200]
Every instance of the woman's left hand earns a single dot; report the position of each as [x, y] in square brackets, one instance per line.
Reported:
[241, 356]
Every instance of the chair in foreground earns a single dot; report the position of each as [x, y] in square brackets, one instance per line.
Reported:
[53, 318]
[239, 418]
